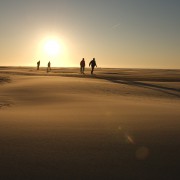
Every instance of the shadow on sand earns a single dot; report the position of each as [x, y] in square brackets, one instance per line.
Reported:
[138, 82]
[4, 79]
[3, 105]
[174, 91]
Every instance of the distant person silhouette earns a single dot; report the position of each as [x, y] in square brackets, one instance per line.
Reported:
[49, 66]
[38, 64]
[92, 64]
[82, 66]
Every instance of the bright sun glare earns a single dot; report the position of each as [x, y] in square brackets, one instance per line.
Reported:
[52, 47]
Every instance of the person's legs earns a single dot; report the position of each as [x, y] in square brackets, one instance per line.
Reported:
[81, 69]
[92, 70]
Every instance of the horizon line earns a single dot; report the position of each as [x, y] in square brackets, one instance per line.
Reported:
[90, 67]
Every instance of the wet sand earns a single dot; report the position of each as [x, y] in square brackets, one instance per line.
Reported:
[116, 124]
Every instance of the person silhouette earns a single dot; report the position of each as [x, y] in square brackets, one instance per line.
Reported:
[49, 66]
[92, 64]
[38, 64]
[82, 66]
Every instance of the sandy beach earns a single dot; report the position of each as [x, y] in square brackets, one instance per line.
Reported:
[115, 124]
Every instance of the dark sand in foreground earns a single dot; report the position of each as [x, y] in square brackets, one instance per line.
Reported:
[117, 124]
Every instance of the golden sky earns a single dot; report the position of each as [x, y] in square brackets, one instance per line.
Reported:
[118, 33]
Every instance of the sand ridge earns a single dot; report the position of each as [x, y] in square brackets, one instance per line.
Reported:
[64, 125]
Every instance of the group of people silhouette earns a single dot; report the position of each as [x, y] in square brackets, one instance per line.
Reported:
[92, 63]
[48, 66]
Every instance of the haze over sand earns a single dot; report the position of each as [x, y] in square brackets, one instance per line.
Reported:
[119, 123]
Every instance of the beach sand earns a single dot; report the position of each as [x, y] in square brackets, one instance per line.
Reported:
[116, 124]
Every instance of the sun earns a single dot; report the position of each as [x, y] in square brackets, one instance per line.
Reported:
[52, 47]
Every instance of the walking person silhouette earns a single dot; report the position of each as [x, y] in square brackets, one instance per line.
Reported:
[49, 66]
[38, 64]
[82, 66]
[92, 64]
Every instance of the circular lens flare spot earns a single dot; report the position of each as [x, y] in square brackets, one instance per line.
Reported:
[142, 153]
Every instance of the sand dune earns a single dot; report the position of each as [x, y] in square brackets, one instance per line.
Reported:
[118, 123]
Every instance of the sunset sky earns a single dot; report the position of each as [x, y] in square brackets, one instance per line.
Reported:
[118, 33]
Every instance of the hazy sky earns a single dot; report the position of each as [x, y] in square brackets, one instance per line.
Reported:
[118, 33]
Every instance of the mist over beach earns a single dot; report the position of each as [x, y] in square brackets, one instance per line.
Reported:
[117, 123]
